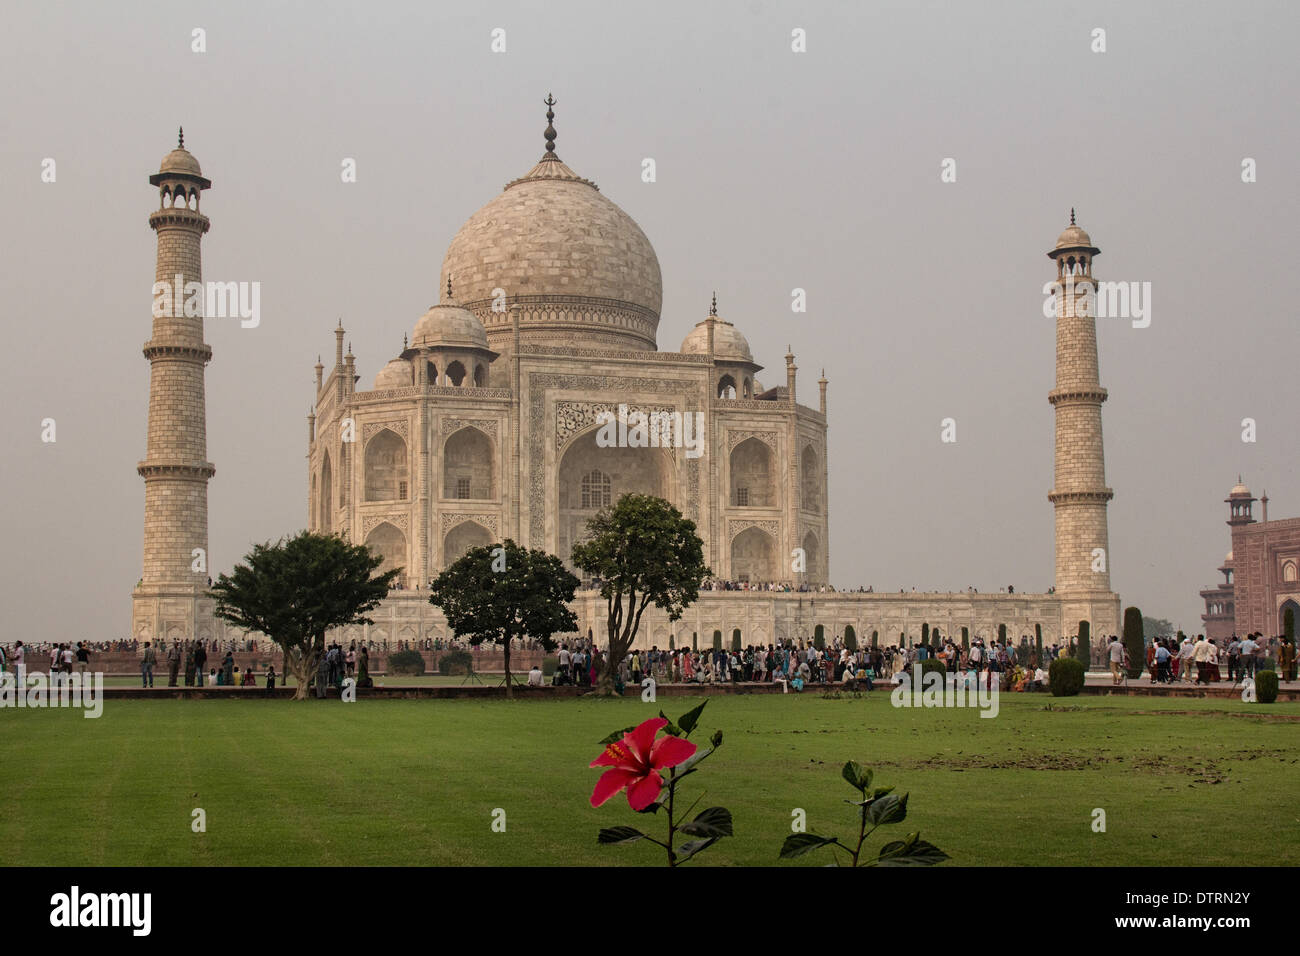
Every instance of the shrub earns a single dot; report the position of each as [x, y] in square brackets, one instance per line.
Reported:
[925, 634]
[735, 640]
[549, 666]
[455, 662]
[1065, 677]
[406, 662]
[875, 640]
[717, 640]
[1083, 650]
[819, 637]
[1266, 686]
[965, 639]
[1135, 641]
[850, 639]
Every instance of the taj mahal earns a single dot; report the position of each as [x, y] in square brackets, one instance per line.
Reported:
[486, 426]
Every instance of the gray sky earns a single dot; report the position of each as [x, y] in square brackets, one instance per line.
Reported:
[776, 170]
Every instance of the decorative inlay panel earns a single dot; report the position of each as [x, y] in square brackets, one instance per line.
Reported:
[744, 524]
[370, 522]
[486, 425]
[736, 436]
[450, 520]
[573, 417]
[401, 427]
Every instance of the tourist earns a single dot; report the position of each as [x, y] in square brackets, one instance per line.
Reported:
[228, 665]
[20, 668]
[535, 676]
[200, 659]
[147, 663]
[1116, 652]
[83, 659]
[363, 667]
[1248, 649]
[173, 663]
[270, 680]
[1234, 659]
[1186, 655]
[352, 659]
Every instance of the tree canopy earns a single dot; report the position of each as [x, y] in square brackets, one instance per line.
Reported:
[296, 589]
[642, 551]
[501, 592]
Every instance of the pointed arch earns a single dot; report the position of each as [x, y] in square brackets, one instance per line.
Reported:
[386, 467]
[753, 470]
[468, 465]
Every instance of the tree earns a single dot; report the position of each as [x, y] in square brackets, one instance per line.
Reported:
[965, 640]
[850, 639]
[643, 551]
[499, 593]
[875, 639]
[925, 634]
[1038, 643]
[1288, 624]
[1082, 650]
[735, 640]
[819, 637]
[1157, 627]
[1135, 641]
[295, 590]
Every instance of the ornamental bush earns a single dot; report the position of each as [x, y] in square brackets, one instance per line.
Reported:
[1065, 677]
[455, 662]
[1266, 686]
[1135, 641]
[406, 662]
[549, 666]
[1083, 650]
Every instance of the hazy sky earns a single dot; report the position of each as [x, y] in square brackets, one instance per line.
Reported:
[776, 170]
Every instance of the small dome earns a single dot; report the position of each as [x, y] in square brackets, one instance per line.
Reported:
[728, 344]
[1239, 489]
[396, 374]
[180, 160]
[448, 324]
[1073, 238]
[1228, 559]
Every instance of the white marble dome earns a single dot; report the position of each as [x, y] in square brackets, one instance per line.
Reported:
[728, 343]
[180, 160]
[552, 235]
[448, 324]
[396, 374]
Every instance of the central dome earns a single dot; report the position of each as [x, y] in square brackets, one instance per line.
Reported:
[578, 267]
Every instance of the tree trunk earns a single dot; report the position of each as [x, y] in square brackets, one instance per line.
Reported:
[510, 690]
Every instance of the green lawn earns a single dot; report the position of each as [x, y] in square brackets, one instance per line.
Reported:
[415, 782]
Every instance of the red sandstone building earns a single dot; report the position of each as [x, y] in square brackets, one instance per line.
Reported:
[1261, 572]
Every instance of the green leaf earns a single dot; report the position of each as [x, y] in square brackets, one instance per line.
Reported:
[797, 844]
[651, 808]
[672, 729]
[688, 765]
[716, 739]
[688, 720]
[613, 835]
[688, 850]
[890, 808]
[618, 735]
[712, 822]
[910, 852]
[856, 775]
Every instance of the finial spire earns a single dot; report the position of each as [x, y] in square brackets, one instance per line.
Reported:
[713, 309]
[180, 137]
[404, 343]
[550, 128]
[449, 286]
[1072, 215]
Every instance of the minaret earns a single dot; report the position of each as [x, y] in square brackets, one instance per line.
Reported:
[171, 599]
[1079, 494]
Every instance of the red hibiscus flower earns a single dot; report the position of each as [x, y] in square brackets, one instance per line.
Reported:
[635, 762]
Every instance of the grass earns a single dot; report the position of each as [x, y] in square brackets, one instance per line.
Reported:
[1205, 782]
